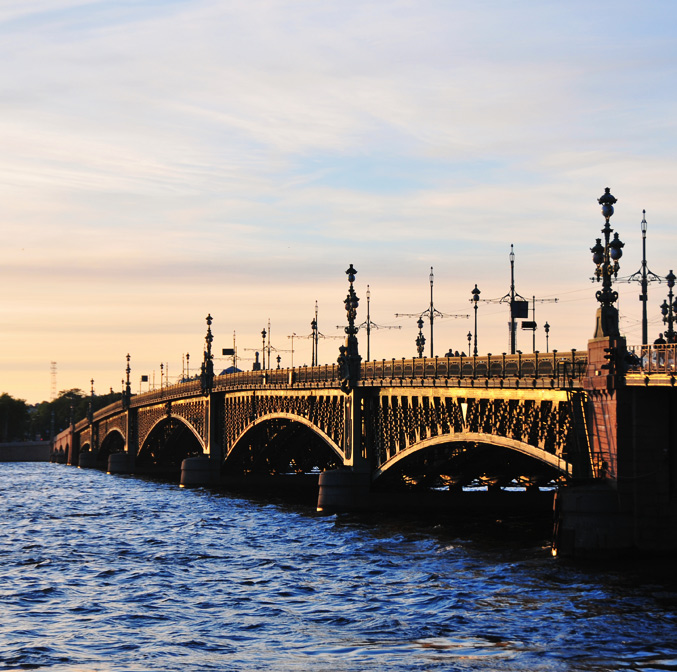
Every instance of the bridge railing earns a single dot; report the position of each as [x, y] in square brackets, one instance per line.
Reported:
[325, 373]
[651, 359]
[561, 369]
[166, 393]
[115, 407]
[564, 367]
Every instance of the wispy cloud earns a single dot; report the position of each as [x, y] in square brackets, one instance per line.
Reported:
[166, 159]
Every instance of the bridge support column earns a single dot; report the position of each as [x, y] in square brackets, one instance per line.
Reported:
[206, 469]
[630, 501]
[87, 459]
[349, 489]
[344, 490]
[121, 463]
[200, 470]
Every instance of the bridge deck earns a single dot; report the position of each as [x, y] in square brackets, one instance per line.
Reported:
[647, 365]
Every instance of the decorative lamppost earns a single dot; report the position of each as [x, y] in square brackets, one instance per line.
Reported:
[469, 342]
[292, 349]
[263, 348]
[349, 358]
[207, 369]
[127, 394]
[432, 311]
[315, 335]
[368, 323]
[90, 408]
[644, 276]
[546, 326]
[605, 257]
[188, 366]
[420, 339]
[475, 299]
[668, 308]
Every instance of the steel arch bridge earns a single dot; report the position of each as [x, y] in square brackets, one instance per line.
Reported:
[401, 418]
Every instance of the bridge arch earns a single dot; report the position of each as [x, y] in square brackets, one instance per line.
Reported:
[168, 441]
[112, 442]
[455, 451]
[274, 441]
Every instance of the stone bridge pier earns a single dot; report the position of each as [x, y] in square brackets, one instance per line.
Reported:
[630, 500]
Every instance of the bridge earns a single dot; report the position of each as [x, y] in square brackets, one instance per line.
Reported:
[595, 424]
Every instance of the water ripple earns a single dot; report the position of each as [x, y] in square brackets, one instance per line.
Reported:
[113, 574]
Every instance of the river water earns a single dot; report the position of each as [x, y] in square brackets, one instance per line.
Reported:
[101, 572]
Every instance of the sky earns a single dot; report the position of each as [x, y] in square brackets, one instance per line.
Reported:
[163, 160]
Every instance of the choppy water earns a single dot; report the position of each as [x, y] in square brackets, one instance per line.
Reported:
[103, 572]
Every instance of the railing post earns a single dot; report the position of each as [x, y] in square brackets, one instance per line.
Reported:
[536, 371]
[488, 365]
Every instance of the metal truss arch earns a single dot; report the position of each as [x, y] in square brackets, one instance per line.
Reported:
[560, 465]
[167, 419]
[300, 420]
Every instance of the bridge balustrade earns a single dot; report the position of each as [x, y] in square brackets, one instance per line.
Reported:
[652, 359]
[561, 369]
[115, 407]
[561, 366]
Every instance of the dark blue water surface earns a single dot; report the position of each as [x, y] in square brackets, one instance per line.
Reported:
[104, 572]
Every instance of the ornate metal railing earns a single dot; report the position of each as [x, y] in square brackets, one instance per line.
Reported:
[555, 369]
[652, 359]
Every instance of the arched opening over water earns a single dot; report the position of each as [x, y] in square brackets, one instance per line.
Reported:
[280, 445]
[480, 463]
[113, 442]
[169, 443]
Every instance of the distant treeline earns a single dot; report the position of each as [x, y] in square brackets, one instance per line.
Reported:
[20, 421]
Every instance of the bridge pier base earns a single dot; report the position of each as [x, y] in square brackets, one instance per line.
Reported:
[87, 460]
[590, 520]
[344, 490]
[200, 470]
[121, 463]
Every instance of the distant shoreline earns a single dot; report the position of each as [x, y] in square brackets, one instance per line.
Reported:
[25, 451]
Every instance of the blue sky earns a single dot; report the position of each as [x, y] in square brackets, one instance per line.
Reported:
[165, 160]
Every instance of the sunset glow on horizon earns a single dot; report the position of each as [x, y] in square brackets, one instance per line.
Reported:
[163, 161]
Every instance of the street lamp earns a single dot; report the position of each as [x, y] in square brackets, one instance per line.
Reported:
[668, 308]
[469, 341]
[315, 336]
[292, 349]
[420, 339]
[644, 276]
[432, 310]
[263, 348]
[546, 326]
[605, 257]
[349, 357]
[368, 322]
[475, 299]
